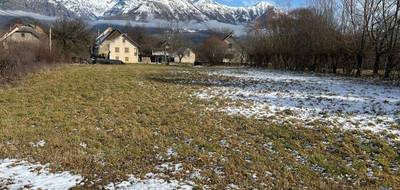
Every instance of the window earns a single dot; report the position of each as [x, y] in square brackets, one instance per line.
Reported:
[136, 52]
[23, 35]
[116, 58]
[126, 59]
[117, 50]
[126, 50]
[230, 46]
[123, 40]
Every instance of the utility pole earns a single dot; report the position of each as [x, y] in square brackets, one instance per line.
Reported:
[50, 40]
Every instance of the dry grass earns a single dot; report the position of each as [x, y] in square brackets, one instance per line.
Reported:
[105, 122]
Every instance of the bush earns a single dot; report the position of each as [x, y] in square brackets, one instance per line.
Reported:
[20, 59]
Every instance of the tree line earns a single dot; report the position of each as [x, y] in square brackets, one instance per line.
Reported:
[350, 37]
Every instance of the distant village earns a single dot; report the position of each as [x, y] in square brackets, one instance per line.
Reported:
[113, 46]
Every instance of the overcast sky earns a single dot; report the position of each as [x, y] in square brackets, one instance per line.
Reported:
[295, 3]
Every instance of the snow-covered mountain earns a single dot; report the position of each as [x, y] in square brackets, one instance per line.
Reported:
[227, 14]
[142, 10]
[43, 7]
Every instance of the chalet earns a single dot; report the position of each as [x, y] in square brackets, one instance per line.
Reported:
[185, 56]
[115, 45]
[20, 33]
[235, 52]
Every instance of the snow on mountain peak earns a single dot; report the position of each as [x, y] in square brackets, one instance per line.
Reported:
[145, 10]
[88, 8]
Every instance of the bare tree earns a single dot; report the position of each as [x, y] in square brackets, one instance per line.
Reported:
[143, 37]
[176, 39]
[359, 14]
[72, 38]
[391, 22]
[329, 36]
[213, 50]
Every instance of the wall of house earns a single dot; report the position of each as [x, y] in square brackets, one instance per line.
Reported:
[189, 58]
[104, 49]
[25, 37]
[122, 49]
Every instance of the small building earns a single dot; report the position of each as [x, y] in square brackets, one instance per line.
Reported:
[162, 54]
[20, 33]
[185, 56]
[115, 45]
[235, 53]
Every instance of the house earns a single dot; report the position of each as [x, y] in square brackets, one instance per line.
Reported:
[161, 56]
[185, 56]
[20, 33]
[162, 53]
[115, 45]
[166, 54]
[235, 52]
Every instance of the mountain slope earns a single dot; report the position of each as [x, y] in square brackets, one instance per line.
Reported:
[142, 10]
[44, 7]
[228, 14]
[87, 8]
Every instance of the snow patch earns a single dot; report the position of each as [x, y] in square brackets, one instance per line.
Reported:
[150, 183]
[40, 143]
[16, 174]
[307, 99]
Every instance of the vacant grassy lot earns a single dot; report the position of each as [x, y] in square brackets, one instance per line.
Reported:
[107, 122]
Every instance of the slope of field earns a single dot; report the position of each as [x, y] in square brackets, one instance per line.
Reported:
[141, 126]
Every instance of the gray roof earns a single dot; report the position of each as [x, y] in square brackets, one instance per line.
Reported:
[109, 33]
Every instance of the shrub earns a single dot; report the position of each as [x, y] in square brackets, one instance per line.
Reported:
[19, 59]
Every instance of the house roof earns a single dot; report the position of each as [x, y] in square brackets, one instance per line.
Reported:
[112, 32]
[34, 30]
[228, 36]
[160, 53]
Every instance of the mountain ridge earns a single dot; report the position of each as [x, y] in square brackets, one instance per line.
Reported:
[143, 10]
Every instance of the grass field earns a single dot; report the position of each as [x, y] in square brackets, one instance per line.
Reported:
[109, 123]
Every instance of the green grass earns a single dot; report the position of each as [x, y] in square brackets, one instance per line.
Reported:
[129, 116]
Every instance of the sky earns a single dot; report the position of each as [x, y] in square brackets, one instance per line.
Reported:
[294, 3]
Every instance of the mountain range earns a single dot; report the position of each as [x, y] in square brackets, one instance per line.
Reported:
[142, 10]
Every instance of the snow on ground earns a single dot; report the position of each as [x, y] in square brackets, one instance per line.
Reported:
[155, 181]
[306, 99]
[152, 182]
[16, 174]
